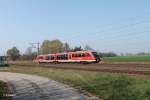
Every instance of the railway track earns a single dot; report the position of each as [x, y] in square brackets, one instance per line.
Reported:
[140, 69]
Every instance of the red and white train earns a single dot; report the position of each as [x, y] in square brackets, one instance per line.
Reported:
[80, 57]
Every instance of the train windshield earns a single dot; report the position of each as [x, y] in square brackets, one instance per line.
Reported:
[95, 54]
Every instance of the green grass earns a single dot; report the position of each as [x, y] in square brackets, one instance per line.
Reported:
[3, 91]
[104, 85]
[127, 59]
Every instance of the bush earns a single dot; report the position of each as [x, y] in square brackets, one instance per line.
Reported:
[3, 91]
[109, 54]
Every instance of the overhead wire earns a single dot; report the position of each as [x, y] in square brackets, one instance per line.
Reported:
[90, 35]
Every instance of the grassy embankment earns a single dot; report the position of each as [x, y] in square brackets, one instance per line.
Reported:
[3, 91]
[104, 85]
[140, 59]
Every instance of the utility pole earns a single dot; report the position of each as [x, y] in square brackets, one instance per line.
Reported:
[37, 46]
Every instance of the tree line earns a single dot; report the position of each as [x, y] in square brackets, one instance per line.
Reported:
[47, 47]
[54, 46]
[50, 46]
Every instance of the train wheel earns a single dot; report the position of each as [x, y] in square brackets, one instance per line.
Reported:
[97, 60]
[84, 62]
[55, 62]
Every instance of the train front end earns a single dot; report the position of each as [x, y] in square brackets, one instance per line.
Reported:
[96, 56]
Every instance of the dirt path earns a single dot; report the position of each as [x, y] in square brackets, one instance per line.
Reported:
[29, 87]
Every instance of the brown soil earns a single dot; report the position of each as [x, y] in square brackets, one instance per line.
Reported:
[140, 69]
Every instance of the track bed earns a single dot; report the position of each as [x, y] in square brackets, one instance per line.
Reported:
[141, 69]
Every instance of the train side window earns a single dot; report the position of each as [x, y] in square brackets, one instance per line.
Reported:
[40, 57]
[52, 57]
[62, 57]
[83, 55]
[87, 54]
[75, 55]
[66, 56]
[69, 56]
[72, 55]
[47, 57]
[79, 55]
[57, 57]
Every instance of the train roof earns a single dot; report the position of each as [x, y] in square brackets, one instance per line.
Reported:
[86, 51]
[66, 53]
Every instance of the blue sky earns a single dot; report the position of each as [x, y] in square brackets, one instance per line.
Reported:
[106, 25]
